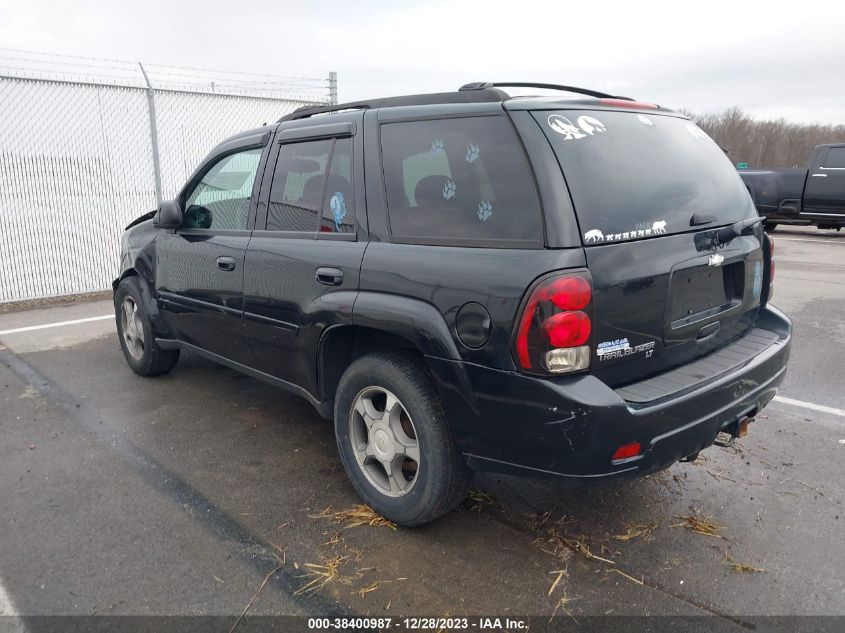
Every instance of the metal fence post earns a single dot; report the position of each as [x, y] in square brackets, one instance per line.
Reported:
[151, 106]
[333, 88]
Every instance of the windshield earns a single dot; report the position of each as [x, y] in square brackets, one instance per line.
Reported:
[636, 176]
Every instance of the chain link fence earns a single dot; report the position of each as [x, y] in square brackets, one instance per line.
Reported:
[83, 153]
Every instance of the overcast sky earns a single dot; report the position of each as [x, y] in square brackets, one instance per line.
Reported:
[769, 59]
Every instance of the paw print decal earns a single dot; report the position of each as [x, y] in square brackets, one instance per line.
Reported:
[436, 147]
[485, 210]
[338, 206]
[472, 153]
[449, 189]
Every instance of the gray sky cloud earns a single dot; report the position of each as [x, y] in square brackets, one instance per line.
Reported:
[768, 60]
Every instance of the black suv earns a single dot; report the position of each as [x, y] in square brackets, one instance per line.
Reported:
[571, 288]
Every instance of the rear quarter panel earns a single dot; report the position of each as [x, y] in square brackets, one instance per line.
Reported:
[449, 277]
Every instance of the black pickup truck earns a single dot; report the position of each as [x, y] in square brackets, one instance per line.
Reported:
[813, 196]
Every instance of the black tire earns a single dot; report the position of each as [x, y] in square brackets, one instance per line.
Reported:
[442, 477]
[770, 226]
[153, 360]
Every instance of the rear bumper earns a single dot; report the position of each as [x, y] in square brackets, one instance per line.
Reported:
[569, 428]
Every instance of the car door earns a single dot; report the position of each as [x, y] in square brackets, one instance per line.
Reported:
[200, 266]
[303, 263]
[825, 192]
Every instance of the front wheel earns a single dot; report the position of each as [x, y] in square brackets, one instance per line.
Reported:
[135, 332]
[394, 440]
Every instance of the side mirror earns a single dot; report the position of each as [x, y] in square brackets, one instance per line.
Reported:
[169, 215]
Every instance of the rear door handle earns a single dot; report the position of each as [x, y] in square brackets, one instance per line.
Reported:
[226, 263]
[330, 276]
[819, 175]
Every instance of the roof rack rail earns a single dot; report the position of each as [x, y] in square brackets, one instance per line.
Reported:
[480, 95]
[487, 85]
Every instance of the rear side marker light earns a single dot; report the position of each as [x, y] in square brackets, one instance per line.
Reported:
[626, 451]
[554, 329]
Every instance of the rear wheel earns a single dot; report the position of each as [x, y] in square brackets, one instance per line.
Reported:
[394, 440]
[135, 332]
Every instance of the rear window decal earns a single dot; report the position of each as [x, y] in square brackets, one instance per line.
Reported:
[591, 125]
[485, 210]
[436, 147]
[449, 189]
[594, 236]
[645, 120]
[338, 207]
[587, 126]
[562, 125]
[472, 153]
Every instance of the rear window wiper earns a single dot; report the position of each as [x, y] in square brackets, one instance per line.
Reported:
[719, 238]
[743, 227]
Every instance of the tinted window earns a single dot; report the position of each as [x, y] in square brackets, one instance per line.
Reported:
[835, 158]
[635, 176]
[464, 178]
[221, 199]
[338, 209]
[296, 192]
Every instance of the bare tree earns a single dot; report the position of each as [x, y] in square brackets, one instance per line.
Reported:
[766, 143]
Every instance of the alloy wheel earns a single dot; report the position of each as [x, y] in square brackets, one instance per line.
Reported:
[384, 441]
[132, 328]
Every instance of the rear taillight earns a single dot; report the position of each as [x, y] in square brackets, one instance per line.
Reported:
[771, 266]
[771, 258]
[554, 329]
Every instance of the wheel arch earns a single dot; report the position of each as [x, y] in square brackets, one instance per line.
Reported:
[145, 282]
[382, 322]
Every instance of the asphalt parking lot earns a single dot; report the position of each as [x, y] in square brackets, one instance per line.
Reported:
[181, 494]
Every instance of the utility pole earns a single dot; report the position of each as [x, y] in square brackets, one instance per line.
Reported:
[333, 88]
[151, 106]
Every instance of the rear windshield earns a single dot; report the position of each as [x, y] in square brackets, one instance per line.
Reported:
[636, 176]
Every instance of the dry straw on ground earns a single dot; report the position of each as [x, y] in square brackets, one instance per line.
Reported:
[355, 516]
[645, 531]
[322, 575]
[741, 568]
[699, 525]
[479, 500]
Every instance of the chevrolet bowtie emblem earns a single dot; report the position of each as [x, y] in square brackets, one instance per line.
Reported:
[715, 260]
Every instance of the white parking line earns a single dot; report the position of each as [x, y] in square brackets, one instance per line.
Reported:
[798, 239]
[809, 405]
[11, 622]
[45, 326]
[6, 606]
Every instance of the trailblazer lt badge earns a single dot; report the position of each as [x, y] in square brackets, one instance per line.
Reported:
[608, 350]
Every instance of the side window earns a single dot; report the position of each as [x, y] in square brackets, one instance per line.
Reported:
[338, 207]
[835, 158]
[296, 193]
[465, 178]
[221, 199]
